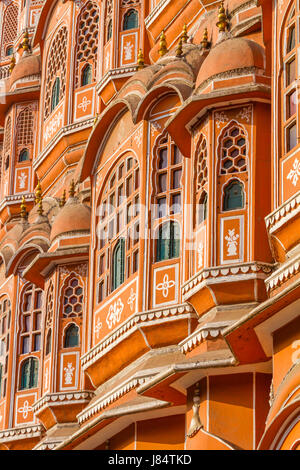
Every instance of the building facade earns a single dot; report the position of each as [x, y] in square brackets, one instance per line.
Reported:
[149, 224]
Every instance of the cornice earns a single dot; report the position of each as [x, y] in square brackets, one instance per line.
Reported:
[58, 399]
[114, 74]
[285, 272]
[22, 432]
[283, 213]
[210, 331]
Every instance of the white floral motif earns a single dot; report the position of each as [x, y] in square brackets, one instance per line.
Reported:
[107, 60]
[69, 370]
[128, 51]
[131, 299]
[46, 379]
[25, 409]
[114, 313]
[22, 180]
[232, 243]
[53, 126]
[245, 114]
[294, 174]
[165, 285]
[84, 104]
[155, 127]
[221, 118]
[98, 327]
[200, 255]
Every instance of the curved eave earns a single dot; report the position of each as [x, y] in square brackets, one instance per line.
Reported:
[19, 255]
[181, 122]
[42, 23]
[98, 134]
[17, 96]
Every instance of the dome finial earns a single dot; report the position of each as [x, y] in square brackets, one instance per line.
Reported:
[140, 60]
[25, 42]
[162, 45]
[62, 200]
[72, 189]
[179, 51]
[38, 192]
[223, 22]
[184, 34]
[23, 212]
[204, 43]
[12, 64]
[40, 209]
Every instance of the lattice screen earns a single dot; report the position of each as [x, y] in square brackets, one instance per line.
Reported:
[56, 66]
[201, 168]
[87, 40]
[10, 27]
[7, 136]
[25, 128]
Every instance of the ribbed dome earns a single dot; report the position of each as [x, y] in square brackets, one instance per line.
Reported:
[231, 54]
[28, 65]
[73, 217]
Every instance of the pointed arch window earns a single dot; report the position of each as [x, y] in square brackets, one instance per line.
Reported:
[168, 242]
[9, 51]
[24, 155]
[5, 318]
[48, 342]
[10, 28]
[72, 336]
[131, 20]
[55, 94]
[31, 320]
[234, 196]
[29, 373]
[86, 75]
[109, 30]
[118, 264]
[201, 178]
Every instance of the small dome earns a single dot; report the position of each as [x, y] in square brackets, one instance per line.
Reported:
[229, 55]
[28, 65]
[73, 217]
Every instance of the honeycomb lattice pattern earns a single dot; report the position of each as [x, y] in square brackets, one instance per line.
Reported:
[128, 3]
[10, 29]
[56, 66]
[88, 33]
[233, 150]
[25, 127]
[50, 306]
[73, 299]
[202, 171]
[7, 137]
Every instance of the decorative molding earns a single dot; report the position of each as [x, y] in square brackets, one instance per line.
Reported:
[21, 432]
[283, 213]
[64, 398]
[283, 273]
[134, 322]
[16, 199]
[210, 331]
[156, 12]
[125, 71]
[230, 273]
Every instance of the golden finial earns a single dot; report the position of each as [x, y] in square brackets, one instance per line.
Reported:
[222, 17]
[72, 189]
[40, 209]
[162, 45]
[179, 49]
[12, 64]
[204, 42]
[184, 34]
[25, 42]
[38, 192]
[62, 200]
[140, 60]
[95, 120]
[23, 211]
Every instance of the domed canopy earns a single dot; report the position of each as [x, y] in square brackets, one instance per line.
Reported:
[73, 217]
[28, 65]
[229, 55]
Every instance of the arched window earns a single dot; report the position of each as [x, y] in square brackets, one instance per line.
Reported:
[87, 42]
[86, 75]
[201, 176]
[131, 20]
[233, 196]
[56, 66]
[118, 264]
[109, 31]
[289, 80]
[29, 373]
[24, 155]
[168, 242]
[5, 317]
[48, 343]
[118, 221]
[55, 94]
[31, 320]
[234, 150]
[9, 51]
[73, 298]
[71, 336]
[25, 129]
